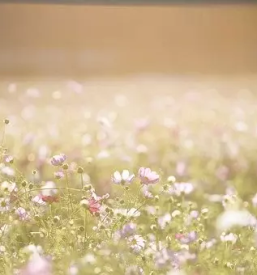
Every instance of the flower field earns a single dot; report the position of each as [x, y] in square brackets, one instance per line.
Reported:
[136, 177]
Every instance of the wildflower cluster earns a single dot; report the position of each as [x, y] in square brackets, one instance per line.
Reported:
[137, 196]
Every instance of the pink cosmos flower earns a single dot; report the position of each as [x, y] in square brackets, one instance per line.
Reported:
[58, 160]
[59, 175]
[147, 176]
[94, 205]
[142, 124]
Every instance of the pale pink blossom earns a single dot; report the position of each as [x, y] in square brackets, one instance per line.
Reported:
[147, 176]
[37, 265]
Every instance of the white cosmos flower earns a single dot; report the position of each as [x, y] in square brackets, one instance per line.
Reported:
[180, 188]
[49, 189]
[137, 243]
[8, 186]
[231, 218]
[229, 237]
[132, 212]
[123, 177]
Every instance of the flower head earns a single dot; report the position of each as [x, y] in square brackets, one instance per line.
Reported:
[22, 213]
[37, 265]
[122, 178]
[137, 243]
[127, 230]
[228, 238]
[59, 175]
[147, 176]
[58, 160]
[94, 205]
[187, 238]
[181, 188]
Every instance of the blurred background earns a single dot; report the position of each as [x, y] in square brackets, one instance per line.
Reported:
[50, 40]
[103, 83]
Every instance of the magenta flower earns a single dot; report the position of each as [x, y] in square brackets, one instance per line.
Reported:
[147, 176]
[58, 160]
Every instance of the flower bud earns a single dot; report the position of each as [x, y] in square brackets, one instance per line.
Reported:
[65, 166]
[24, 183]
[56, 219]
[80, 170]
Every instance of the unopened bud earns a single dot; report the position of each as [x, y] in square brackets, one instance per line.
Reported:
[80, 170]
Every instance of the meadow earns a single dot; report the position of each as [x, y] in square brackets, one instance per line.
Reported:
[147, 175]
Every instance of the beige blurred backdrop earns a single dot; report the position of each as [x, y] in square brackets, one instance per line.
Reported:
[84, 40]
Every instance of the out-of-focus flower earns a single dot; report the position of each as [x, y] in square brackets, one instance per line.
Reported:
[231, 218]
[73, 270]
[181, 168]
[9, 186]
[58, 160]
[59, 174]
[48, 194]
[165, 258]
[132, 212]
[127, 230]
[33, 249]
[187, 238]
[164, 220]
[181, 188]
[254, 200]
[230, 201]
[8, 159]
[38, 200]
[94, 205]
[222, 173]
[137, 243]
[104, 122]
[43, 152]
[33, 92]
[123, 177]
[49, 189]
[99, 198]
[208, 244]
[104, 154]
[134, 270]
[7, 171]
[147, 176]
[141, 149]
[4, 205]
[228, 238]
[75, 86]
[194, 214]
[142, 124]
[22, 213]
[146, 192]
[37, 265]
